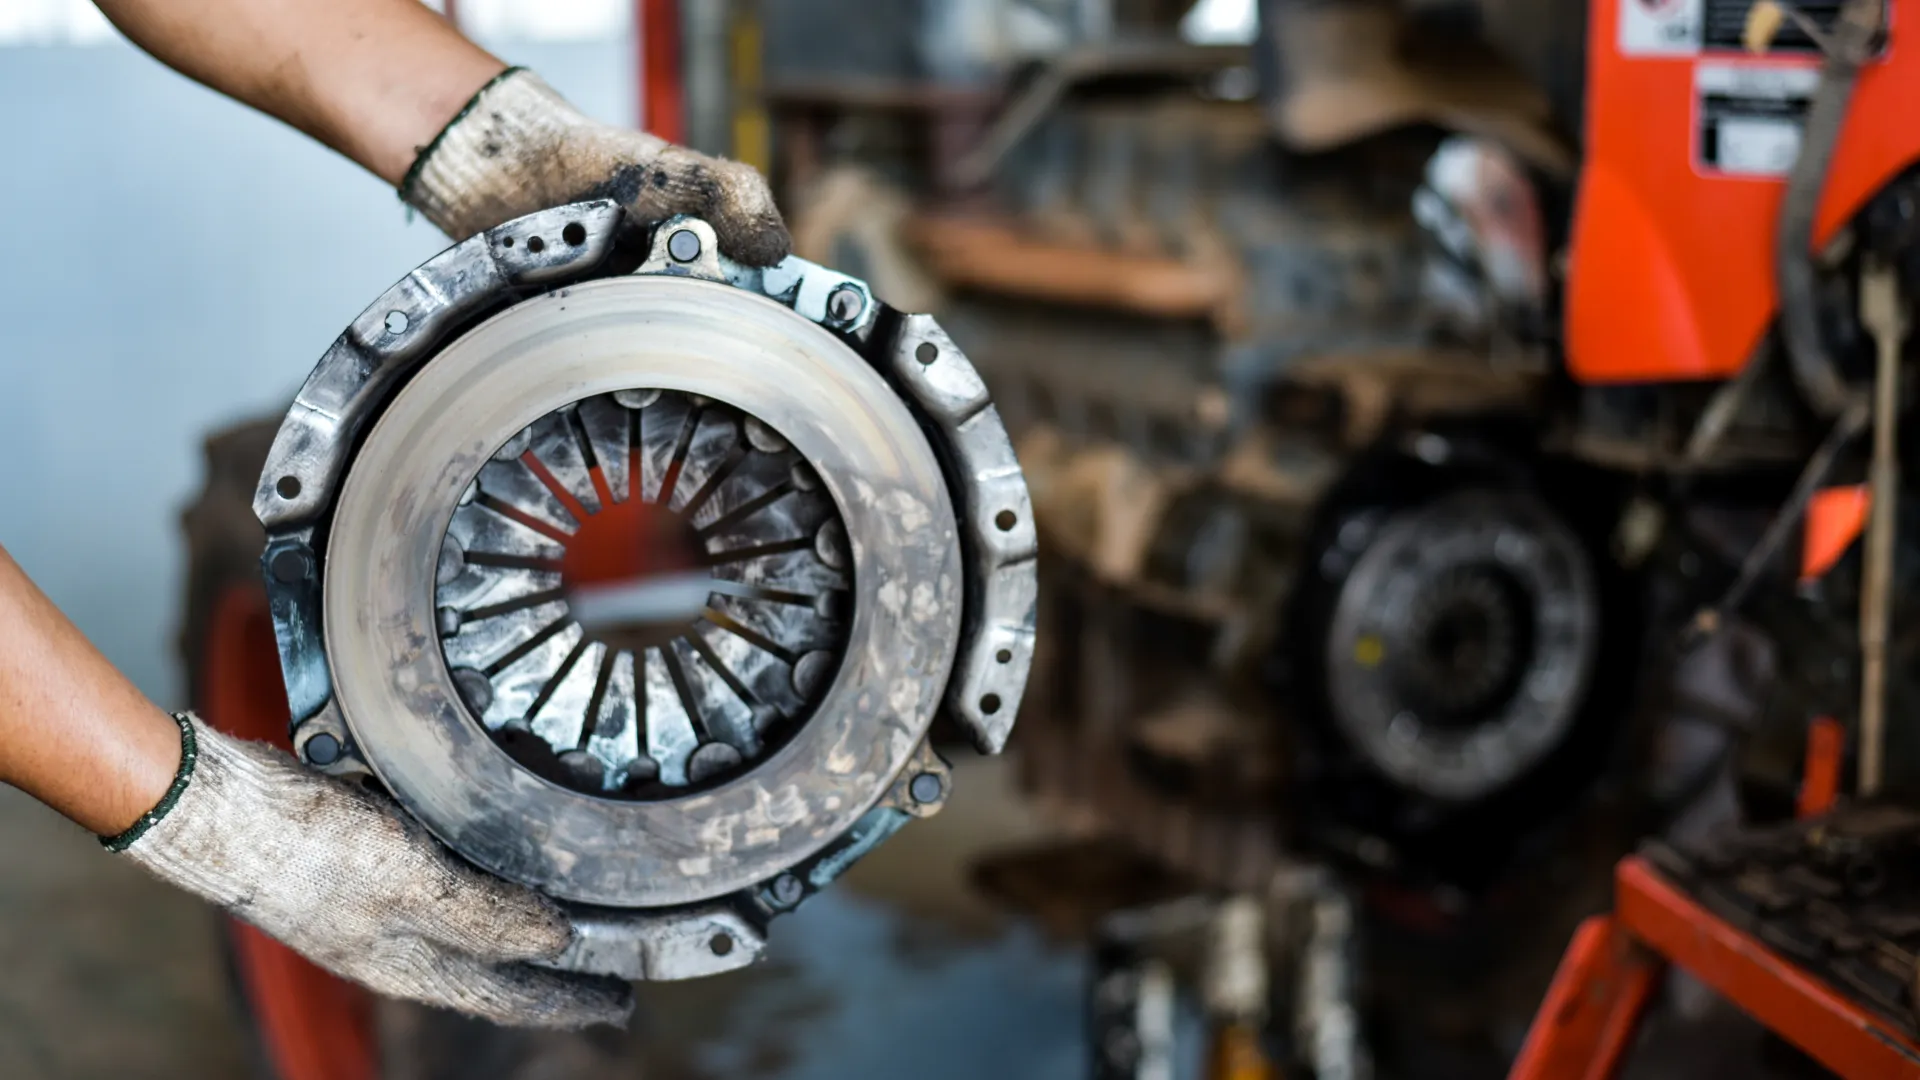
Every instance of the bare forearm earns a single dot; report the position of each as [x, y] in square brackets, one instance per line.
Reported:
[319, 864]
[74, 732]
[374, 79]
[381, 81]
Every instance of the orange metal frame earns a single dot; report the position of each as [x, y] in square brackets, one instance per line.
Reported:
[1826, 757]
[1587, 1021]
[1607, 977]
[1671, 267]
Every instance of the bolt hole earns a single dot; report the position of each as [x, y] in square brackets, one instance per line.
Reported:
[927, 353]
[722, 944]
[1004, 656]
[508, 242]
[396, 322]
[574, 234]
[288, 487]
[990, 704]
[536, 245]
[1006, 520]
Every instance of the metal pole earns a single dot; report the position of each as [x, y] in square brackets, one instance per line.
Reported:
[752, 130]
[1880, 311]
[704, 62]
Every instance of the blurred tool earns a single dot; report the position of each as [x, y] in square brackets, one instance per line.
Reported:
[1234, 988]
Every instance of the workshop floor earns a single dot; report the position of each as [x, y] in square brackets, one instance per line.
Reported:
[106, 973]
[901, 969]
[103, 971]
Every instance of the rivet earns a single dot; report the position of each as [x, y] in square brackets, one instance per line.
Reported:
[684, 245]
[845, 304]
[323, 749]
[289, 565]
[787, 890]
[926, 788]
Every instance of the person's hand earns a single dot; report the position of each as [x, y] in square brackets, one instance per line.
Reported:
[519, 147]
[333, 872]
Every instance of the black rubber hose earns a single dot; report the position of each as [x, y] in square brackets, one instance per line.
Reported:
[1813, 366]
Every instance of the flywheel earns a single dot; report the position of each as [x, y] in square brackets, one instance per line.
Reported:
[639, 577]
[1461, 645]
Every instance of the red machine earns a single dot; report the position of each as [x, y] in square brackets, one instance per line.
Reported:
[1714, 209]
[1690, 140]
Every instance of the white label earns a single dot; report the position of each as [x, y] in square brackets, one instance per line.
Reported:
[1748, 117]
[1660, 27]
[1756, 82]
[1751, 147]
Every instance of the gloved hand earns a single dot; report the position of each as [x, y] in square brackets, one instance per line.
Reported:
[331, 871]
[519, 147]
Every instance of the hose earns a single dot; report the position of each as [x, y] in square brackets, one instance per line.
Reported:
[1813, 367]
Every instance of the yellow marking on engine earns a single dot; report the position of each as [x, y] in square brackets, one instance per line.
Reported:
[1369, 651]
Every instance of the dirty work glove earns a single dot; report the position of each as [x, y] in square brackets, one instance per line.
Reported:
[334, 873]
[518, 147]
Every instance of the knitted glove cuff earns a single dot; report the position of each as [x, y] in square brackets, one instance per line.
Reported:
[182, 776]
[495, 160]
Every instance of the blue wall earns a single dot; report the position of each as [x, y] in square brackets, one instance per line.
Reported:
[172, 262]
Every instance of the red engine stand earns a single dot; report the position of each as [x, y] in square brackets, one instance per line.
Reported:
[1607, 978]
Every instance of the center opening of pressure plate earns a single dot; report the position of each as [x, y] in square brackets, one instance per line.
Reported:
[636, 576]
[644, 593]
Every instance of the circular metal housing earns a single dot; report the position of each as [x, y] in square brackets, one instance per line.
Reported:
[1462, 643]
[691, 339]
[836, 545]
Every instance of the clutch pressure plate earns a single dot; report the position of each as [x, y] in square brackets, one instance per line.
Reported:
[638, 576]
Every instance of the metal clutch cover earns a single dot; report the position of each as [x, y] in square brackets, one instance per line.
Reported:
[643, 586]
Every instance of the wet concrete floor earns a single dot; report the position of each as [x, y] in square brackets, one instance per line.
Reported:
[899, 970]
[103, 970]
